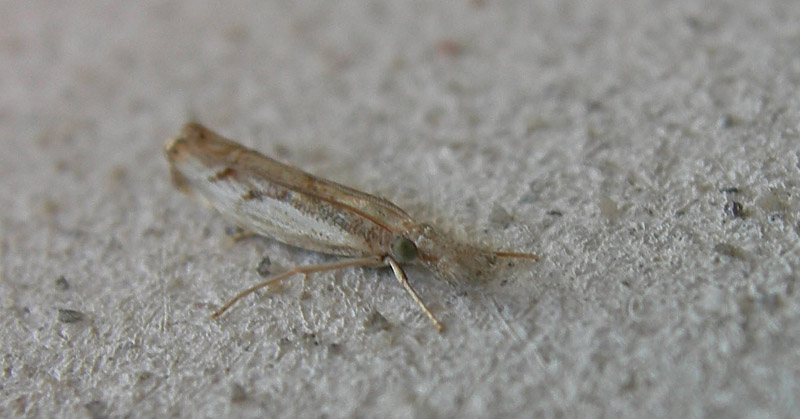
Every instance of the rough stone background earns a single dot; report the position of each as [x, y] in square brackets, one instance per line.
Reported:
[648, 150]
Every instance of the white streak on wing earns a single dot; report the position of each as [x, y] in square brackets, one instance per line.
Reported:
[285, 223]
[270, 217]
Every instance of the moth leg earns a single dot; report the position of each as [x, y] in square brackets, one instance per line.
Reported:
[401, 276]
[305, 270]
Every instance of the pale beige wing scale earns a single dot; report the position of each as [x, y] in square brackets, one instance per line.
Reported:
[280, 201]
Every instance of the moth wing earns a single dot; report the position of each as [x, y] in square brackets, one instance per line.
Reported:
[281, 201]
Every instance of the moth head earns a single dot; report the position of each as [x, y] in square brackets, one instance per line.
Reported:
[450, 261]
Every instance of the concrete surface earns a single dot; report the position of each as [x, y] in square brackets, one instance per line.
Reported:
[648, 150]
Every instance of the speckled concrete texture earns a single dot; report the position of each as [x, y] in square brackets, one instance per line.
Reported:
[649, 151]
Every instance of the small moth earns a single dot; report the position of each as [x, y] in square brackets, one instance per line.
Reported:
[269, 198]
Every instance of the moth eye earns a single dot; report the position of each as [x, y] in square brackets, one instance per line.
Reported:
[404, 249]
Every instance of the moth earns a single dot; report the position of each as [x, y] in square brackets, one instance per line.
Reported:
[269, 198]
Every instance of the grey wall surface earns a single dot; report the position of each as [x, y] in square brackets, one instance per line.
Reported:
[649, 151]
